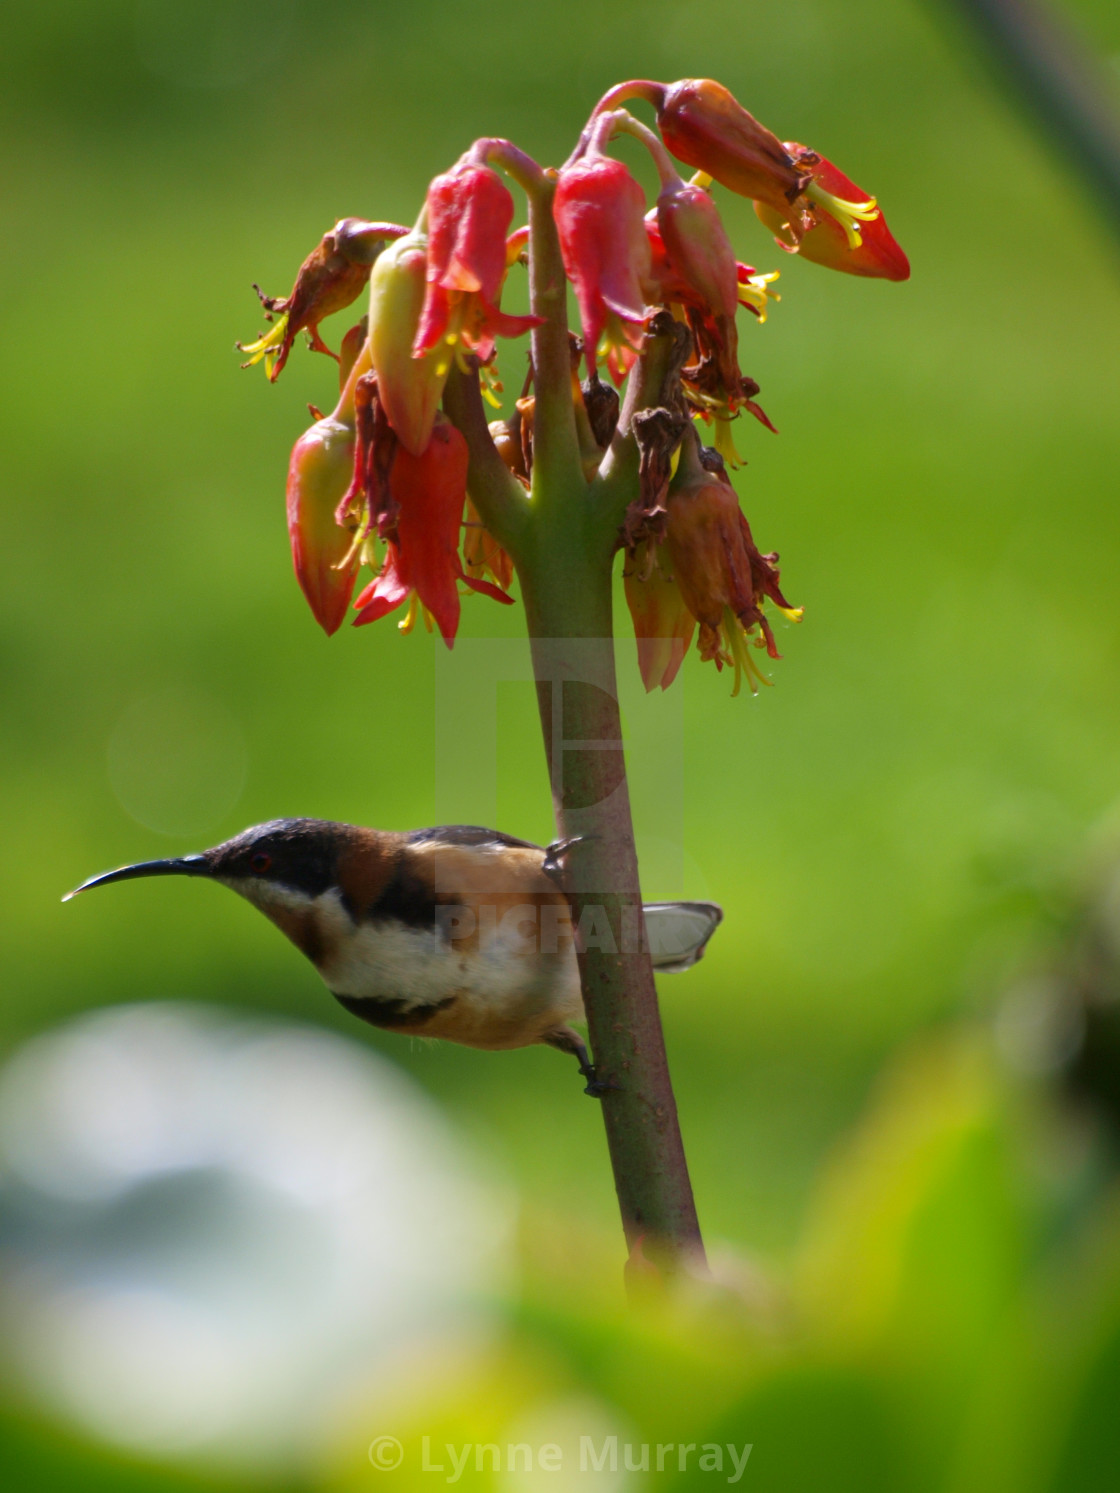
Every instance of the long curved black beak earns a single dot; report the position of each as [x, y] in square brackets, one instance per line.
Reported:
[183, 865]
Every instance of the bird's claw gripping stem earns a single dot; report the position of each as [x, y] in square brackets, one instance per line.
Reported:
[552, 865]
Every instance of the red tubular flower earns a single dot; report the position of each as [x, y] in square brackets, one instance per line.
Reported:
[332, 276]
[699, 276]
[408, 387]
[469, 213]
[700, 254]
[423, 561]
[698, 247]
[319, 474]
[599, 210]
[704, 125]
[663, 625]
[875, 253]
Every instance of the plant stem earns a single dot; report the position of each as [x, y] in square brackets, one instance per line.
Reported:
[565, 565]
[570, 626]
[563, 540]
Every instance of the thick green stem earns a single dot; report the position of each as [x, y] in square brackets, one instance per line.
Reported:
[568, 602]
[556, 453]
[565, 565]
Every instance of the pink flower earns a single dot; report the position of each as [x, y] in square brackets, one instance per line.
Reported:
[469, 213]
[600, 211]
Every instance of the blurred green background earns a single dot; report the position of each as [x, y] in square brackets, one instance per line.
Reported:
[920, 1245]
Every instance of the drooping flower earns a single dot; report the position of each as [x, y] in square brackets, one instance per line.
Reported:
[704, 125]
[864, 246]
[331, 278]
[697, 246]
[699, 281]
[600, 210]
[699, 253]
[671, 288]
[723, 578]
[422, 563]
[709, 571]
[663, 625]
[469, 212]
[408, 387]
[319, 474]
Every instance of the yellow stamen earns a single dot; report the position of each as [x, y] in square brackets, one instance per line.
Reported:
[700, 179]
[736, 639]
[756, 292]
[267, 346]
[725, 443]
[357, 547]
[408, 622]
[848, 214]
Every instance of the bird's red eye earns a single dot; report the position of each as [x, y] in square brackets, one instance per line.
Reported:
[261, 861]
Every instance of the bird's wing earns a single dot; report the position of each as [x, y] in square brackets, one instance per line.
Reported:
[679, 932]
[466, 834]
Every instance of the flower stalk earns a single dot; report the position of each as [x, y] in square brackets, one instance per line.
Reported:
[437, 499]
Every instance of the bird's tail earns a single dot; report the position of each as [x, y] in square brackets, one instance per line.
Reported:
[679, 932]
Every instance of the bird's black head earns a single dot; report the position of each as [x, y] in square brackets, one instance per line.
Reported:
[297, 855]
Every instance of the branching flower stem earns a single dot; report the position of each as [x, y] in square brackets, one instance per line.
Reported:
[562, 539]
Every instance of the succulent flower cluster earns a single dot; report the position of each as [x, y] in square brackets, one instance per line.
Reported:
[389, 480]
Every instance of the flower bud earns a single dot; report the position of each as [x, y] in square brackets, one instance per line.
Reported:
[319, 473]
[704, 125]
[409, 388]
[697, 245]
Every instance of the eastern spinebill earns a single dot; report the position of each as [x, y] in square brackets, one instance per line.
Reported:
[455, 932]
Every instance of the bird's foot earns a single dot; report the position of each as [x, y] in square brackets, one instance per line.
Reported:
[565, 1040]
[552, 865]
[596, 1086]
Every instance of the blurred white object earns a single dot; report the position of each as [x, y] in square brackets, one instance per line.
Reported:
[208, 1224]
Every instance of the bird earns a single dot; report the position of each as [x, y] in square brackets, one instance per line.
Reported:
[456, 932]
